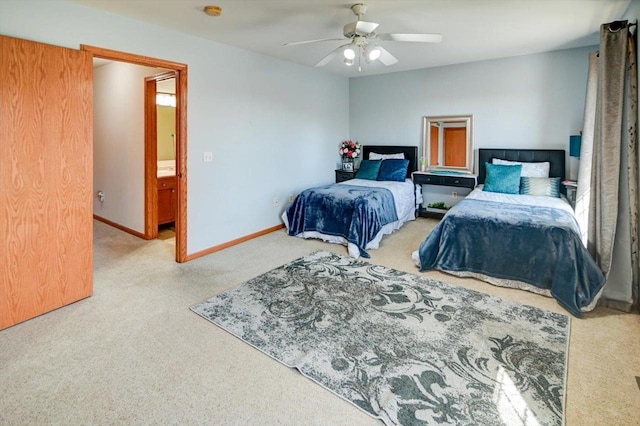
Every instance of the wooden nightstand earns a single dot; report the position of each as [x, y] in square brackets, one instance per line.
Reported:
[342, 175]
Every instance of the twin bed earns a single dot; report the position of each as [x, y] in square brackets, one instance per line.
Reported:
[359, 212]
[530, 242]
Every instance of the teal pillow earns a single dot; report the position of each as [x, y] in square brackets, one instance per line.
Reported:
[369, 169]
[393, 169]
[504, 179]
[549, 187]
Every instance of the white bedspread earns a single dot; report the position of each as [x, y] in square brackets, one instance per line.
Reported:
[520, 199]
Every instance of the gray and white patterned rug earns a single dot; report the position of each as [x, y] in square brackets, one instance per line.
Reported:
[405, 349]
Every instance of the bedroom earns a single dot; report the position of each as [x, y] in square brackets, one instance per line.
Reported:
[547, 103]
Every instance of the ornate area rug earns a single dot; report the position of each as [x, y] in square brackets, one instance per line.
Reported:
[403, 348]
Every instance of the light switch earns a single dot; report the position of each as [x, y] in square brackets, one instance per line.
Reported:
[208, 157]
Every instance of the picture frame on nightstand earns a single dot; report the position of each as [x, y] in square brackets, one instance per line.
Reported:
[347, 167]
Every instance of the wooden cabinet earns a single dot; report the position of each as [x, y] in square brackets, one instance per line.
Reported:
[166, 200]
[46, 178]
[342, 175]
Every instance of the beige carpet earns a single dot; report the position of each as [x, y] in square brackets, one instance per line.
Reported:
[135, 354]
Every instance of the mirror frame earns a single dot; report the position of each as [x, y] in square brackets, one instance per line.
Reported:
[426, 142]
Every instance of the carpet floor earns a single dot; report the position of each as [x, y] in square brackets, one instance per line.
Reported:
[134, 353]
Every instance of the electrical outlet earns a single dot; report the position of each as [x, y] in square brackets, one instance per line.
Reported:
[291, 198]
[454, 195]
[276, 202]
[207, 157]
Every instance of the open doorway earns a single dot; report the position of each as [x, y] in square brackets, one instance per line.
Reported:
[160, 148]
[179, 73]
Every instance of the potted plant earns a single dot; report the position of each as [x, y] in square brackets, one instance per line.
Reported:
[439, 206]
[423, 164]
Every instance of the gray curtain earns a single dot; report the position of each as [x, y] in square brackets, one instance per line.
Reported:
[583, 193]
[633, 165]
[612, 190]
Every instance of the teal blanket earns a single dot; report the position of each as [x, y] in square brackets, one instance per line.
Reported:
[537, 245]
[356, 213]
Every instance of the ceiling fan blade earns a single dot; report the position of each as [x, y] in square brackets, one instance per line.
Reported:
[386, 57]
[363, 28]
[324, 61]
[313, 41]
[420, 38]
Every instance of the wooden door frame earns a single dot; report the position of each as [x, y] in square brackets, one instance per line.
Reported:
[180, 73]
[151, 152]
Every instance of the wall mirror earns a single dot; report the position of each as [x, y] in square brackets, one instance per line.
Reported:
[447, 143]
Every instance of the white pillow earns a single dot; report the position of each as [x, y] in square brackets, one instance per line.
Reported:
[376, 156]
[528, 169]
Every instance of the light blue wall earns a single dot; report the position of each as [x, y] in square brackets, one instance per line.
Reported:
[273, 126]
[533, 101]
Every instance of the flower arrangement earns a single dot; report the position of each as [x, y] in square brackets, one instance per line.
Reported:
[349, 150]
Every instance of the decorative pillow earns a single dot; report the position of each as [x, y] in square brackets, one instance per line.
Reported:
[368, 169]
[501, 178]
[393, 169]
[528, 169]
[549, 187]
[376, 156]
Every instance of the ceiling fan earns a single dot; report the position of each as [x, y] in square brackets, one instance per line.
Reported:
[363, 42]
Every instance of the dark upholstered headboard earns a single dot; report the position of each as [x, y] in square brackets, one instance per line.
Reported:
[555, 157]
[410, 153]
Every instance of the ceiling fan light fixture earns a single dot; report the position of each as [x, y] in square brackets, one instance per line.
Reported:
[361, 42]
[373, 53]
[349, 53]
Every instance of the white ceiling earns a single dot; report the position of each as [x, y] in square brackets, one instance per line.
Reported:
[472, 30]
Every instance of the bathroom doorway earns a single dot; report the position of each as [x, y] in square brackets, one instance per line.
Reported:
[160, 132]
[177, 71]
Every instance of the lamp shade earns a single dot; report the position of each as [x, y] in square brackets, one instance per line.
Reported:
[349, 53]
[372, 52]
[574, 145]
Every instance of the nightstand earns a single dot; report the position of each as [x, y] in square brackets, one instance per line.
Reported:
[342, 175]
[571, 187]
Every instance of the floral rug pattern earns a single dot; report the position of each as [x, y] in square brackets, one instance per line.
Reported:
[404, 348]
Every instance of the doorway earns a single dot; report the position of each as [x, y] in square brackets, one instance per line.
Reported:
[160, 153]
[179, 72]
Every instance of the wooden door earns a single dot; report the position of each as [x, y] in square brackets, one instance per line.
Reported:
[455, 146]
[435, 142]
[46, 175]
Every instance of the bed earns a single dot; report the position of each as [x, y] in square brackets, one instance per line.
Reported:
[359, 212]
[531, 242]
